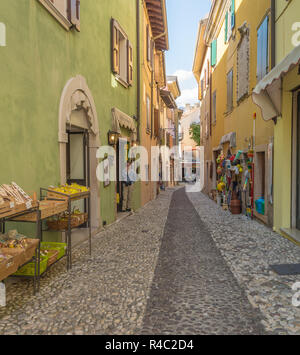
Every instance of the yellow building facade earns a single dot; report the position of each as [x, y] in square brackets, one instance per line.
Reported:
[239, 35]
[278, 96]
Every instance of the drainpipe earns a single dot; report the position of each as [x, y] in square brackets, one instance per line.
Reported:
[273, 33]
[138, 36]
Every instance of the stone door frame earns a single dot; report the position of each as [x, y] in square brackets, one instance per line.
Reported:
[76, 95]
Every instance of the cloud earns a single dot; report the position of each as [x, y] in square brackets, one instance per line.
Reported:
[188, 96]
[183, 75]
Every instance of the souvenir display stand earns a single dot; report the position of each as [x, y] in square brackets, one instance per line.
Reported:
[20, 258]
[71, 220]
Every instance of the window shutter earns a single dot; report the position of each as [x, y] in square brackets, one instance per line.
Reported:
[229, 91]
[214, 53]
[259, 55]
[208, 72]
[130, 63]
[74, 13]
[226, 27]
[115, 47]
[263, 49]
[200, 90]
[152, 53]
[265, 46]
[148, 44]
[156, 122]
[232, 14]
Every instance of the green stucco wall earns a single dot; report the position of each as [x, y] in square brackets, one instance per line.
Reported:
[39, 59]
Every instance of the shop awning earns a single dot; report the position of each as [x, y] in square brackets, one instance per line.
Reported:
[121, 119]
[267, 94]
[229, 138]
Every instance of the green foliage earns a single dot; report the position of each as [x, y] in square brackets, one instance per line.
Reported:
[195, 133]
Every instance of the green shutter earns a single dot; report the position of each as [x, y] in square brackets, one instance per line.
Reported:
[232, 14]
[214, 53]
[226, 27]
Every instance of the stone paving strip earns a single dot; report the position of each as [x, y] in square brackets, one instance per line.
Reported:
[249, 248]
[193, 291]
[102, 294]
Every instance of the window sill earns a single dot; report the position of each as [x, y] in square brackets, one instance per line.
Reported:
[121, 81]
[66, 24]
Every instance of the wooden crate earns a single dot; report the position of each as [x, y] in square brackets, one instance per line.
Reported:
[73, 197]
[23, 207]
[48, 209]
[5, 207]
[8, 267]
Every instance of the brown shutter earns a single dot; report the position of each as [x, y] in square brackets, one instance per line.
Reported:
[74, 13]
[148, 44]
[200, 90]
[130, 63]
[78, 15]
[152, 54]
[115, 49]
[156, 122]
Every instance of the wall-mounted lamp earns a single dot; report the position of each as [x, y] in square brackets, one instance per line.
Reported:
[113, 137]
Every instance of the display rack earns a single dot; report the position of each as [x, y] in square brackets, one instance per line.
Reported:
[48, 208]
[51, 195]
[20, 211]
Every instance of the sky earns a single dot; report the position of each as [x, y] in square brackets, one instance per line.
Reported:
[183, 22]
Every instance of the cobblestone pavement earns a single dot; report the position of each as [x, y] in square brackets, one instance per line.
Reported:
[103, 294]
[194, 291]
[249, 248]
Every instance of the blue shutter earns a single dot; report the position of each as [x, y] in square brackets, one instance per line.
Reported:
[265, 49]
[214, 53]
[259, 54]
[232, 14]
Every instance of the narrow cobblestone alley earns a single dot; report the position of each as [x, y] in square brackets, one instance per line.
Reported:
[194, 291]
[177, 266]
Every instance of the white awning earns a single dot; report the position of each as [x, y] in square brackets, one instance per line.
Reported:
[121, 119]
[229, 138]
[267, 94]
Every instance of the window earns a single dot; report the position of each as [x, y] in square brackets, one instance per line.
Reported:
[214, 53]
[122, 55]
[150, 48]
[230, 91]
[66, 12]
[201, 89]
[208, 73]
[214, 107]
[156, 122]
[148, 113]
[229, 20]
[263, 49]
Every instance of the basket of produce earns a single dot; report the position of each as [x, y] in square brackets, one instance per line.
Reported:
[52, 256]
[61, 222]
[66, 191]
[60, 247]
[28, 269]
[24, 246]
[8, 265]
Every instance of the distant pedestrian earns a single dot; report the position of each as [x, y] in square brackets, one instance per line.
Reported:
[129, 178]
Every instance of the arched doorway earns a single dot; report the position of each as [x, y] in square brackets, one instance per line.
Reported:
[78, 122]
